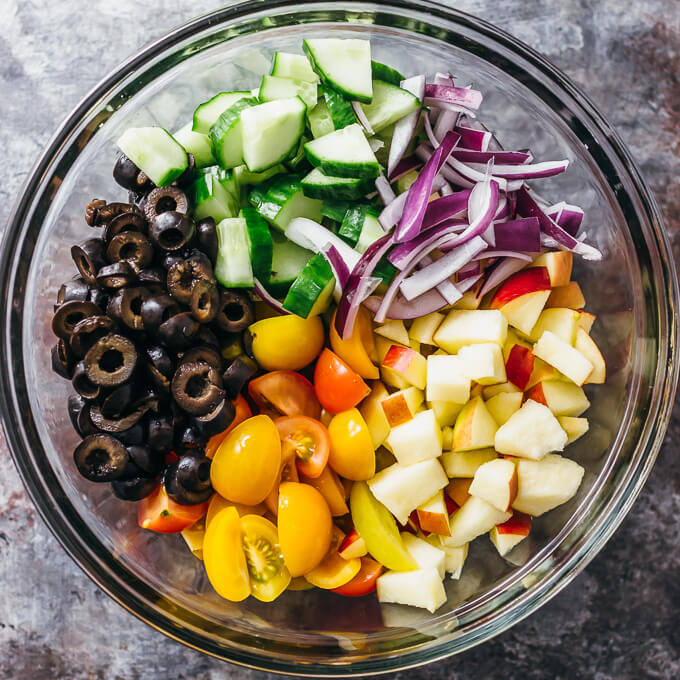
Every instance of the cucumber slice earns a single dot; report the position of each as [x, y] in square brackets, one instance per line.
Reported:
[273, 88]
[340, 108]
[344, 153]
[299, 161]
[352, 224]
[281, 199]
[318, 185]
[344, 65]
[335, 210]
[312, 290]
[244, 176]
[207, 113]
[261, 245]
[390, 103]
[271, 132]
[226, 134]
[385, 270]
[155, 152]
[197, 144]
[288, 260]
[287, 65]
[211, 197]
[405, 181]
[385, 73]
[371, 231]
[320, 121]
[232, 267]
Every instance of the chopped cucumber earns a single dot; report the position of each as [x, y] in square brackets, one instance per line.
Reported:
[297, 66]
[288, 260]
[244, 176]
[197, 144]
[281, 199]
[207, 113]
[340, 108]
[352, 223]
[155, 152]
[214, 194]
[312, 290]
[274, 87]
[232, 267]
[371, 231]
[385, 270]
[318, 185]
[226, 134]
[334, 209]
[385, 73]
[299, 161]
[344, 153]
[344, 65]
[261, 245]
[320, 121]
[271, 132]
[405, 181]
[390, 103]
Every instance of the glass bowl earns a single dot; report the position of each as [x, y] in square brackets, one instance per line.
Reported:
[633, 291]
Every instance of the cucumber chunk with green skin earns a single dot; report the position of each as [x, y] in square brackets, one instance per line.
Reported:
[334, 209]
[244, 176]
[390, 104]
[340, 108]
[385, 270]
[299, 161]
[312, 290]
[226, 134]
[352, 224]
[261, 244]
[212, 195]
[385, 73]
[271, 132]
[318, 185]
[344, 153]
[232, 267]
[319, 120]
[197, 144]
[371, 231]
[287, 65]
[207, 113]
[288, 260]
[155, 152]
[273, 88]
[343, 64]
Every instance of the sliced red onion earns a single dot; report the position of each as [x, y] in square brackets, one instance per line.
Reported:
[385, 191]
[429, 131]
[470, 281]
[403, 254]
[499, 157]
[446, 207]
[494, 144]
[533, 171]
[268, 298]
[523, 234]
[446, 189]
[405, 127]
[482, 206]
[443, 79]
[569, 217]
[309, 234]
[445, 121]
[473, 139]
[474, 174]
[361, 117]
[404, 166]
[432, 301]
[470, 269]
[446, 288]
[503, 270]
[488, 254]
[438, 183]
[392, 212]
[446, 94]
[419, 192]
[338, 266]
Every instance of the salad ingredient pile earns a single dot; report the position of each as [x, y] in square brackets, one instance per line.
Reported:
[332, 337]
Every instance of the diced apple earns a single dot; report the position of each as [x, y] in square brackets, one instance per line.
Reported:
[483, 362]
[531, 432]
[475, 427]
[373, 414]
[586, 345]
[407, 364]
[469, 301]
[476, 390]
[511, 340]
[558, 263]
[561, 321]
[447, 379]
[569, 295]
[503, 405]
[381, 347]
[574, 427]
[414, 345]
[424, 553]
[402, 406]
[352, 546]
[561, 397]
[562, 356]
[466, 463]
[454, 559]
[507, 535]
[541, 372]
[522, 297]
[417, 588]
[394, 330]
[445, 412]
[468, 327]
[496, 483]
[519, 366]
[447, 437]
[545, 484]
[474, 518]
[433, 516]
[418, 439]
[424, 328]
[493, 390]
[383, 458]
[458, 490]
[402, 488]
[586, 321]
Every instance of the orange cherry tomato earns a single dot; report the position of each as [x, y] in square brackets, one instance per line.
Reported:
[364, 582]
[337, 386]
[158, 512]
[284, 393]
[355, 351]
[243, 412]
[308, 441]
[328, 484]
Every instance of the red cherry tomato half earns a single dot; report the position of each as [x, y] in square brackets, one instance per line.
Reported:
[337, 386]
[364, 582]
[307, 440]
[284, 393]
[158, 512]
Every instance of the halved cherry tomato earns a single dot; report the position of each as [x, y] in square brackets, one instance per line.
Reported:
[352, 454]
[355, 351]
[334, 571]
[157, 512]
[337, 386]
[364, 582]
[217, 503]
[287, 473]
[330, 487]
[308, 441]
[243, 412]
[284, 393]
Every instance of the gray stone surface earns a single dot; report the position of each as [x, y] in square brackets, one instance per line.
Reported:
[619, 619]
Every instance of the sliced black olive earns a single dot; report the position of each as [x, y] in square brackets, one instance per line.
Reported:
[206, 237]
[152, 277]
[148, 462]
[110, 211]
[82, 383]
[99, 297]
[62, 359]
[180, 281]
[232, 347]
[125, 173]
[171, 258]
[115, 425]
[159, 381]
[132, 247]
[218, 420]
[205, 300]
[171, 230]
[144, 185]
[76, 289]
[118, 401]
[101, 458]
[133, 436]
[156, 310]
[160, 432]
[208, 354]
[165, 199]
[69, 314]
[197, 387]
[92, 211]
[85, 425]
[206, 336]
[238, 373]
[134, 489]
[189, 438]
[201, 267]
[159, 357]
[147, 398]
[193, 471]
[127, 304]
[127, 221]
[178, 331]
[76, 404]
[116, 275]
[88, 331]
[89, 258]
[236, 311]
[111, 361]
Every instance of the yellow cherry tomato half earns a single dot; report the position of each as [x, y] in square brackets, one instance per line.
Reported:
[355, 351]
[247, 462]
[288, 473]
[300, 583]
[287, 342]
[331, 488]
[217, 503]
[334, 571]
[305, 527]
[352, 455]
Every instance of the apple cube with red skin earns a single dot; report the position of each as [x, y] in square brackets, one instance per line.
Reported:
[417, 439]
[474, 518]
[586, 345]
[402, 406]
[352, 546]
[542, 372]
[475, 427]
[466, 463]
[433, 516]
[458, 490]
[496, 483]
[408, 364]
[507, 535]
[562, 356]
[567, 296]
[561, 397]
[519, 366]
[559, 265]
[372, 412]
[522, 297]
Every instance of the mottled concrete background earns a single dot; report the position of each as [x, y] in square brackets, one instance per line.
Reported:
[620, 619]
